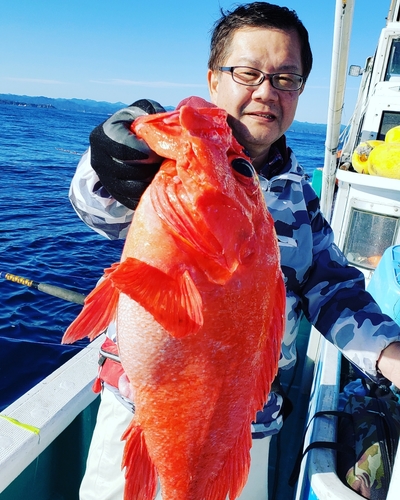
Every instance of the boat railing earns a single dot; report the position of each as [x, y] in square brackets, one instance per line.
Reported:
[318, 478]
[30, 424]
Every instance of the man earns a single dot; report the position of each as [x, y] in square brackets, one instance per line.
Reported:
[259, 62]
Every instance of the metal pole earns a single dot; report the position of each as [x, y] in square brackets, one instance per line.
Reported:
[341, 43]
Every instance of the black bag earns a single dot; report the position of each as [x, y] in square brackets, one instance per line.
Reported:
[368, 436]
[372, 430]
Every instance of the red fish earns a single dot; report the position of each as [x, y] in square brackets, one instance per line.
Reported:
[199, 302]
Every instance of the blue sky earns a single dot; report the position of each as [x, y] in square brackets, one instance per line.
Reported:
[122, 50]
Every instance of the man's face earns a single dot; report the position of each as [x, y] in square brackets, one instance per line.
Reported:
[261, 114]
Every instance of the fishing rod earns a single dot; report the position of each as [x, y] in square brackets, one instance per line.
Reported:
[56, 291]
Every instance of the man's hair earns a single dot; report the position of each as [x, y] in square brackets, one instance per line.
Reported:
[256, 15]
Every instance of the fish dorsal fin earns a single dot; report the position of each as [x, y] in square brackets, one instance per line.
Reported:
[234, 473]
[174, 302]
[270, 358]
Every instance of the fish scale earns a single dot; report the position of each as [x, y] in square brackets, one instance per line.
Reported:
[199, 302]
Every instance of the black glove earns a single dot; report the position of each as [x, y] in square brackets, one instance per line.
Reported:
[125, 164]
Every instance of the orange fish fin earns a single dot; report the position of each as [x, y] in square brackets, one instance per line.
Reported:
[235, 471]
[140, 472]
[175, 303]
[98, 311]
[273, 346]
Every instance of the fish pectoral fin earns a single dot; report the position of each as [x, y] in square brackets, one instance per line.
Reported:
[140, 472]
[98, 311]
[175, 303]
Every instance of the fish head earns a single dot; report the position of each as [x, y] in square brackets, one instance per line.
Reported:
[196, 135]
[206, 192]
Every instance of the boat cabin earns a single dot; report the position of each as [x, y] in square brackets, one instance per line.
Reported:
[366, 218]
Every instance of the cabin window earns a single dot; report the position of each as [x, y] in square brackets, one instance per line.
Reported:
[368, 236]
[389, 120]
[393, 67]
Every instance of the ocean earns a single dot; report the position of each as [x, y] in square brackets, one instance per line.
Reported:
[42, 238]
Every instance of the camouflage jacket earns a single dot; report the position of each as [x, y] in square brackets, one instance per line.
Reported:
[319, 282]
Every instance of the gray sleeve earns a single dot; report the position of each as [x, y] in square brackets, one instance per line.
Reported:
[95, 206]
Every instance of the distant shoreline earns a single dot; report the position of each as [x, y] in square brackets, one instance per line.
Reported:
[108, 108]
[26, 104]
[79, 105]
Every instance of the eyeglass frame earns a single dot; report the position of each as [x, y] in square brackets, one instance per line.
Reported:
[270, 77]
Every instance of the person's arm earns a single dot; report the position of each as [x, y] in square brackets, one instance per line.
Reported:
[114, 172]
[95, 206]
[336, 302]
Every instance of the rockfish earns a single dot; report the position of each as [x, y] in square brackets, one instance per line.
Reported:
[198, 299]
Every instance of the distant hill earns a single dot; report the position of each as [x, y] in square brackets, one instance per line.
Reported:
[82, 105]
[308, 128]
[90, 106]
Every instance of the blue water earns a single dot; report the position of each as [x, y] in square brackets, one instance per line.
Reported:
[41, 237]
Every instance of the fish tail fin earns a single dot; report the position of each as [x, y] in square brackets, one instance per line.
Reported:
[97, 313]
[140, 472]
[234, 474]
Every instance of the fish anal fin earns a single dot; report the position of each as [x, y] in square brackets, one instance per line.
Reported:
[98, 312]
[140, 472]
[174, 302]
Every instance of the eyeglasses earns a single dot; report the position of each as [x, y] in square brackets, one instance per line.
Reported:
[253, 77]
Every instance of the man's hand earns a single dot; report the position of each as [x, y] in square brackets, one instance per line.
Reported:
[125, 164]
[125, 388]
[389, 363]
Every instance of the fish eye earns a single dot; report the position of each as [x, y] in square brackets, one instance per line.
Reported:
[243, 167]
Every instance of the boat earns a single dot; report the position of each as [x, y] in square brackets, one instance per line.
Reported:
[364, 212]
[45, 434]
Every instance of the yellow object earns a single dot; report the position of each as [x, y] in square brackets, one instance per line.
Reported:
[393, 135]
[384, 160]
[27, 427]
[361, 154]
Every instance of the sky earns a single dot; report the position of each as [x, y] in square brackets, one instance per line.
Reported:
[123, 50]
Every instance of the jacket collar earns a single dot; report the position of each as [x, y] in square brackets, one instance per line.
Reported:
[278, 157]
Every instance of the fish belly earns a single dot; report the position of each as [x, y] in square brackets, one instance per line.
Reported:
[196, 397]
